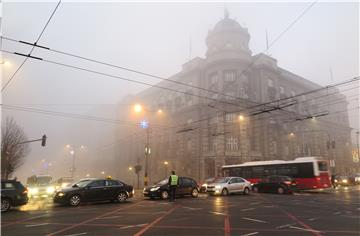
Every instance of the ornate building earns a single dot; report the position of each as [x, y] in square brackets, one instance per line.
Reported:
[220, 116]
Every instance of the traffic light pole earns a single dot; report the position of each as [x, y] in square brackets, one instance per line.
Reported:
[43, 141]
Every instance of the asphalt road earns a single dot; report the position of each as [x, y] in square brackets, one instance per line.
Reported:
[328, 213]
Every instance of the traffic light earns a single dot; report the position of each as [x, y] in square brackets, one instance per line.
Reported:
[43, 140]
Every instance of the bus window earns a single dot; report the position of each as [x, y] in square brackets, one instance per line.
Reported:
[269, 170]
[226, 172]
[322, 166]
[257, 172]
[306, 170]
[247, 173]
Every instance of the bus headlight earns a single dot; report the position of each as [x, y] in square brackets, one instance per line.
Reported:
[344, 181]
[50, 190]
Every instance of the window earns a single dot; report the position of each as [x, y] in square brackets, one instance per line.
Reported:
[240, 180]
[257, 171]
[96, 183]
[322, 166]
[232, 143]
[229, 76]
[214, 78]
[230, 117]
[282, 90]
[9, 186]
[112, 183]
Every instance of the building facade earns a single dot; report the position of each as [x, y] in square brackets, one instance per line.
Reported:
[233, 107]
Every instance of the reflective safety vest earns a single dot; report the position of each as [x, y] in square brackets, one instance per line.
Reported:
[174, 179]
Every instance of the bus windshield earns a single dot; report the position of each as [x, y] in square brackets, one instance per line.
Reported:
[322, 166]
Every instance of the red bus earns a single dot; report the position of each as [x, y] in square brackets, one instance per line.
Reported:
[308, 172]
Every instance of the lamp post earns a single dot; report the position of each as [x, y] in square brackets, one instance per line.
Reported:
[145, 125]
[166, 167]
[73, 154]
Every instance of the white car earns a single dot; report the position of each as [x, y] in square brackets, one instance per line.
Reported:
[228, 185]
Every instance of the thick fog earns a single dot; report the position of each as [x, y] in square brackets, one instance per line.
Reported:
[152, 37]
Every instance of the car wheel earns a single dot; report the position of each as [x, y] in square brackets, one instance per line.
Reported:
[225, 192]
[74, 200]
[246, 191]
[194, 192]
[164, 195]
[255, 189]
[5, 204]
[121, 197]
[280, 190]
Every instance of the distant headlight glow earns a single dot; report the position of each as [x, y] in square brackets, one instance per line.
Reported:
[344, 181]
[50, 190]
[61, 194]
[217, 186]
[33, 191]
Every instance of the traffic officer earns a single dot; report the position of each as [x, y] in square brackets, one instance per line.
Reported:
[173, 183]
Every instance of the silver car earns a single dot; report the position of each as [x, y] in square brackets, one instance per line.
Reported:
[228, 185]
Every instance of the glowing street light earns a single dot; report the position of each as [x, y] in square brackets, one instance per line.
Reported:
[241, 117]
[130, 168]
[138, 108]
[292, 134]
[102, 172]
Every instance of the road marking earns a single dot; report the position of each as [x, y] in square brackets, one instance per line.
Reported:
[37, 225]
[217, 213]
[249, 234]
[310, 230]
[336, 213]
[261, 221]
[271, 206]
[284, 226]
[227, 228]
[255, 203]
[248, 209]
[315, 232]
[127, 227]
[76, 234]
[148, 226]
[108, 217]
[312, 219]
[140, 225]
[193, 209]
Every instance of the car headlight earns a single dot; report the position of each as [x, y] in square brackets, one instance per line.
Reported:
[217, 186]
[204, 185]
[133, 191]
[61, 194]
[336, 181]
[154, 189]
[50, 190]
[344, 181]
[63, 185]
[33, 190]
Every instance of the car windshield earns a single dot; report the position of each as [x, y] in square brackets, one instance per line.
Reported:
[163, 182]
[82, 183]
[221, 180]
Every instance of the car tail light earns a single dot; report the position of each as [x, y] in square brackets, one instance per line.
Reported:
[287, 182]
[25, 191]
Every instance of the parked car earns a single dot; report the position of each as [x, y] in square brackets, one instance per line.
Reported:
[92, 190]
[63, 182]
[13, 193]
[343, 181]
[203, 188]
[275, 184]
[228, 185]
[187, 186]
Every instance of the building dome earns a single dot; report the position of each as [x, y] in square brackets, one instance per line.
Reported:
[228, 37]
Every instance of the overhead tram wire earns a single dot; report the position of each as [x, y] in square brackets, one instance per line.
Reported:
[120, 78]
[178, 82]
[32, 49]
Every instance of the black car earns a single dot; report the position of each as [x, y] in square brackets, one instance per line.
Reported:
[187, 186]
[343, 181]
[13, 193]
[92, 190]
[275, 184]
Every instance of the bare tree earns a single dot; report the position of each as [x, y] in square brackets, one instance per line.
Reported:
[12, 153]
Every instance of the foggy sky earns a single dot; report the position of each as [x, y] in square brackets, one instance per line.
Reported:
[155, 38]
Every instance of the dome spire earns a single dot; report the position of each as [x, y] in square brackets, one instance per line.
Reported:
[226, 13]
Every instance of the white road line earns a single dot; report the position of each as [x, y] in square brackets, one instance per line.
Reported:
[76, 234]
[37, 225]
[193, 209]
[126, 227]
[140, 225]
[217, 213]
[261, 221]
[249, 234]
[108, 217]
[310, 230]
[312, 219]
[248, 209]
[336, 213]
[284, 226]
[271, 206]
[255, 203]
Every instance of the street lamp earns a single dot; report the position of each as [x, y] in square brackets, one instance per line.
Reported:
[138, 108]
[102, 172]
[241, 117]
[72, 153]
[166, 165]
